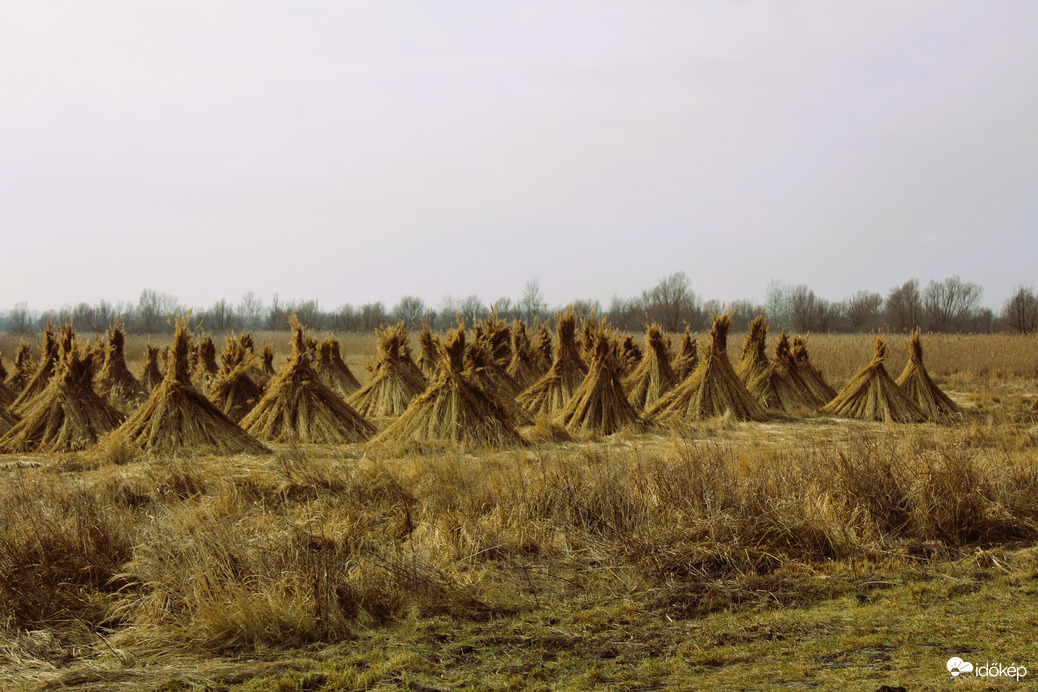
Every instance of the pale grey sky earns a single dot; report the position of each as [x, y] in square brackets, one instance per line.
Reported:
[357, 151]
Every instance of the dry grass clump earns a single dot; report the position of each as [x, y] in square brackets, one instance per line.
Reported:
[454, 408]
[332, 369]
[21, 370]
[600, 405]
[68, 414]
[299, 407]
[873, 395]
[233, 390]
[114, 381]
[42, 373]
[713, 389]
[150, 376]
[810, 375]
[779, 387]
[915, 381]
[753, 360]
[685, 362]
[177, 417]
[522, 367]
[392, 385]
[653, 377]
[550, 394]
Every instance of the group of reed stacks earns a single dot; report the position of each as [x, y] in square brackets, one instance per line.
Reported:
[493, 387]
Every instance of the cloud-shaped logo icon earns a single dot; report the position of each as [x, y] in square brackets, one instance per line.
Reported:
[956, 665]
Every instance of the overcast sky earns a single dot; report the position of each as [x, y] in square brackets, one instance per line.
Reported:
[359, 151]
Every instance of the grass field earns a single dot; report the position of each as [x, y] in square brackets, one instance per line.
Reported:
[815, 553]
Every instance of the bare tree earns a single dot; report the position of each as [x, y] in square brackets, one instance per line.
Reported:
[372, 316]
[950, 305]
[250, 311]
[472, 309]
[862, 310]
[799, 308]
[1020, 312]
[411, 311]
[904, 306]
[531, 305]
[672, 303]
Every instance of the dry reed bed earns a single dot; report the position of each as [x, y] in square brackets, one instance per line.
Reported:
[215, 554]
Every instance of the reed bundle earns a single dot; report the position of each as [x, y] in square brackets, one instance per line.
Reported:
[713, 389]
[178, 417]
[600, 405]
[68, 415]
[873, 395]
[299, 407]
[653, 377]
[392, 385]
[916, 382]
[453, 408]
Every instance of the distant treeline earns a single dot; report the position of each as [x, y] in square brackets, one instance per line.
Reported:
[952, 305]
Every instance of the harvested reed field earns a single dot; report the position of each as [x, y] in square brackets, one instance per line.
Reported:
[805, 552]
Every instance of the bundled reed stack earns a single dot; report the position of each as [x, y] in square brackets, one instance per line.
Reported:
[753, 360]
[543, 350]
[410, 365]
[630, 356]
[392, 385]
[653, 377]
[428, 353]
[779, 387]
[178, 417]
[453, 408]
[495, 336]
[68, 414]
[299, 407]
[206, 367]
[332, 369]
[810, 375]
[7, 397]
[482, 369]
[915, 381]
[550, 394]
[97, 352]
[873, 395]
[521, 367]
[685, 362]
[7, 420]
[713, 389]
[114, 381]
[150, 376]
[42, 373]
[588, 328]
[233, 390]
[600, 405]
[267, 366]
[21, 371]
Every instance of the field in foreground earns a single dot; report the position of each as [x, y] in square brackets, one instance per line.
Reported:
[816, 553]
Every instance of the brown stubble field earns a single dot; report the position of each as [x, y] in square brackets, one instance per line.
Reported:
[813, 552]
